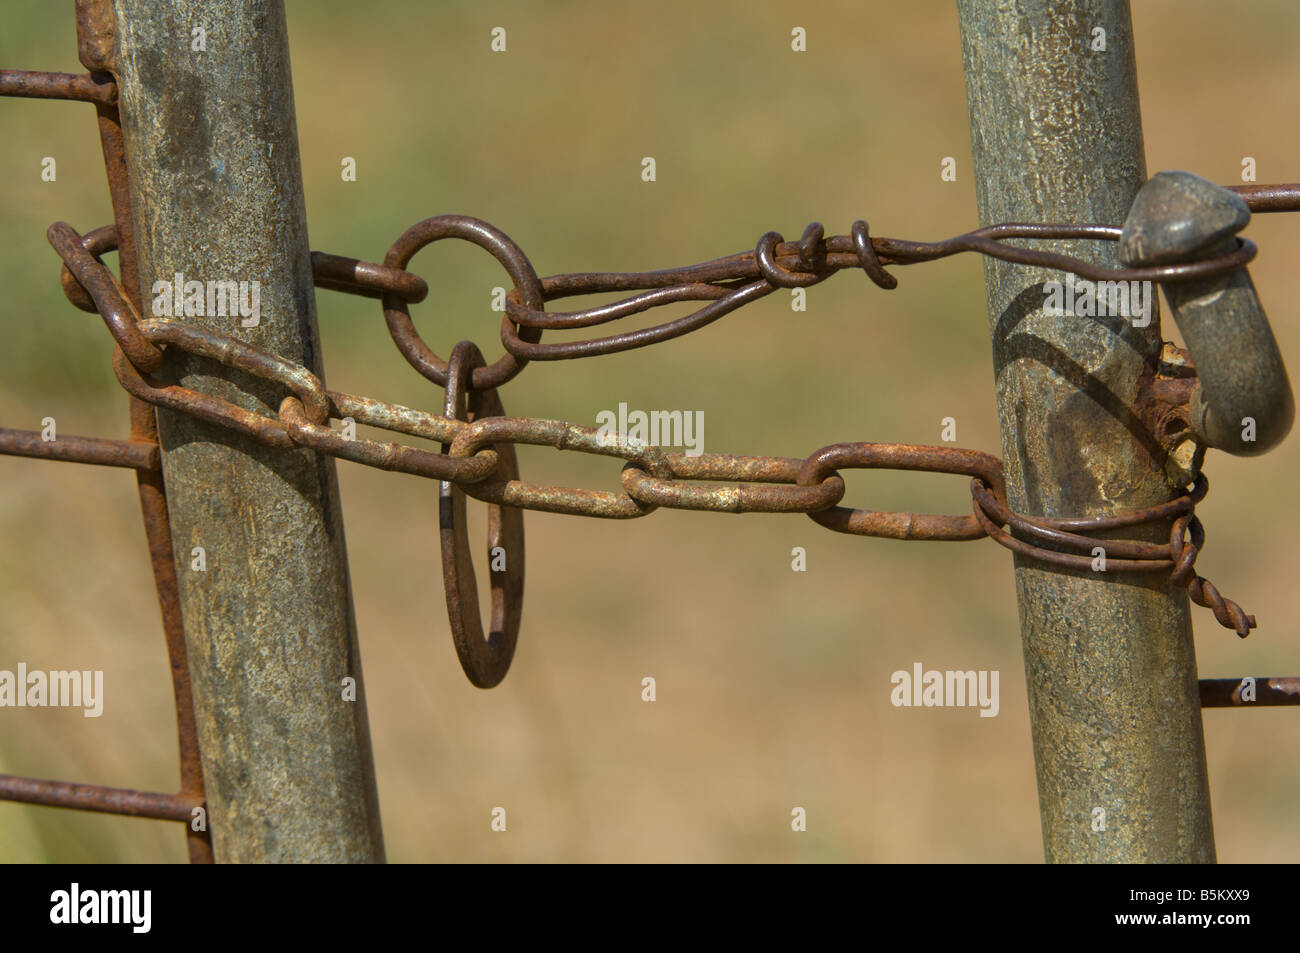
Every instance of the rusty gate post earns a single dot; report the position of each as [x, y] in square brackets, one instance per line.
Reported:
[216, 191]
[1056, 136]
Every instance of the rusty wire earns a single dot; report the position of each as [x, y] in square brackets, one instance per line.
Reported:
[736, 280]
[477, 457]
[652, 477]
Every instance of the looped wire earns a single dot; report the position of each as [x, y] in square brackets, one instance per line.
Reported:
[652, 478]
[811, 251]
[1178, 556]
[812, 245]
[498, 244]
[867, 256]
[102, 286]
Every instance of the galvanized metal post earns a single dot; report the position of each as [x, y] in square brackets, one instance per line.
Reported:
[1057, 136]
[216, 191]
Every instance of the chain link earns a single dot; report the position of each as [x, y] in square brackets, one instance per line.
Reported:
[473, 448]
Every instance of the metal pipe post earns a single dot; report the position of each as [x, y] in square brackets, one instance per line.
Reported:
[206, 101]
[1057, 136]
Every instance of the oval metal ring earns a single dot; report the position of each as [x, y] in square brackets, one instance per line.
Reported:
[868, 259]
[398, 315]
[900, 456]
[745, 495]
[96, 241]
[765, 259]
[598, 504]
[484, 659]
[110, 299]
[235, 353]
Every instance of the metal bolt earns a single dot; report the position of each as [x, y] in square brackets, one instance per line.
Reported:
[1242, 403]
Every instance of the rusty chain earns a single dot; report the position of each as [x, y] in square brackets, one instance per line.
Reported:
[651, 477]
[477, 456]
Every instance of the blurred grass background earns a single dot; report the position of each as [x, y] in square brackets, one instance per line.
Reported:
[773, 686]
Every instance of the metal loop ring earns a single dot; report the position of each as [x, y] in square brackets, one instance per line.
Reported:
[235, 353]
[867, 256]
[332, 272]
[765, 258]
[232, 353]
[214, 410]
[896, 456]
[394, 457]
[397, 312]
[562, 436]
[484, 660]
[97, 241]
[787, 497]
[110, 300]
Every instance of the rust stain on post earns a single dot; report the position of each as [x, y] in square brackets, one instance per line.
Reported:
[216, 191]
[1056, 136]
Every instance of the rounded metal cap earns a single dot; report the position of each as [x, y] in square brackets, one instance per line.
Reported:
[1176, 215]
